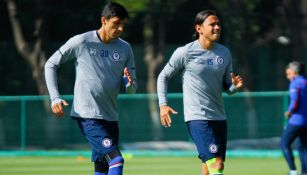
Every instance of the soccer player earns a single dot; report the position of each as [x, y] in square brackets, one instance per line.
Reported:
[297, 117]
[102, 61]
[206, 70]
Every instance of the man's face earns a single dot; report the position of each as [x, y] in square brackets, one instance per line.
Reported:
[210, 29]
[290, 74]
[113, 26]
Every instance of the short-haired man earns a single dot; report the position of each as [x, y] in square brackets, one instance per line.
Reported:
[102, 61]
[297, 117]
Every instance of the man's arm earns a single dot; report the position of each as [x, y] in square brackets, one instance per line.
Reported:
[52, 85]
[232, 82]
[175, 64]
[294, 99]
[65, 53]
[129, 78]
[165, 116]
[165, 110]
[51, 67]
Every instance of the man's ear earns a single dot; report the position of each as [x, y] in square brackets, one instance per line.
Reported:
[103, 20]
[197, 29]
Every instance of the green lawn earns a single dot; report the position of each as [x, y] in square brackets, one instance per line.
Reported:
[33, 165]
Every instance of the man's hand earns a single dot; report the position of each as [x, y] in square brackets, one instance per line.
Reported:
[237, 81]
[57, 107]
[288, 114]
[128, 75]
[165, 115]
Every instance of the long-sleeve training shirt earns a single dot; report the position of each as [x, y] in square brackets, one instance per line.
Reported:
[99, 72]
[298, 101]
[205, 75]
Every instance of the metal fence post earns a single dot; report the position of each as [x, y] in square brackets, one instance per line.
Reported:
[23, 133]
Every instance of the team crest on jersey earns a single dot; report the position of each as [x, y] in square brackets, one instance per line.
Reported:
[220, 60]
[107, 143]
[116, 56]
[213, 148]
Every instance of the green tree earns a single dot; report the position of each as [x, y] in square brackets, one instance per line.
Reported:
[264, 36]
[34, 54]
[155, 14]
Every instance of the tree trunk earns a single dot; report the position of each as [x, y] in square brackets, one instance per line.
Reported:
[153, 62]
[35, 56]
[296, 25]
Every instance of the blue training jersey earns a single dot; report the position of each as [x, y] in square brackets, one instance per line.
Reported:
[298, 101]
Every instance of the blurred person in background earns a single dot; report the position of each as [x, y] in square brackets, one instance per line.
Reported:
[103, 62]
[297, 117]
[206, 70]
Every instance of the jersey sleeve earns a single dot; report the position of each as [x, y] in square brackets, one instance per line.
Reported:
[131, 67]
[294, 97]
[65, 53]
[176, 63]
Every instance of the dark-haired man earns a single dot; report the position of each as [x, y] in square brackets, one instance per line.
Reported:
[102, 62]
[206, 69]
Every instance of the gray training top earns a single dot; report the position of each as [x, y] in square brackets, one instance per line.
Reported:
[205, 74]
[99, 73]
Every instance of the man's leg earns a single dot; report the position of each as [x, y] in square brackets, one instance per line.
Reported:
[101, 168]
[287, 139]
[115, 162]
[302, 149]
[215, 166]
[204, 169]
[210, 138]
[103, 136]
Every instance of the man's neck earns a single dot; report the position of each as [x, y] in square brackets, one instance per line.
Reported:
[103, 36]
[206, 44]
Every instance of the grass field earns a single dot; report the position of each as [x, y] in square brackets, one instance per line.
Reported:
[36, 165]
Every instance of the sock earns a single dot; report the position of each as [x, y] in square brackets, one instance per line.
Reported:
[213, 171]
[116, 166]
[99, 173]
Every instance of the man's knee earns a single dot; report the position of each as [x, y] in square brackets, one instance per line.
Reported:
[215, 166]
[282, 144]
[101, 167]
[114, 158]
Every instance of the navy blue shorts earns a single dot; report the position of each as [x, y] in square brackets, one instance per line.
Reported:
[101, 135]
[210, 138]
